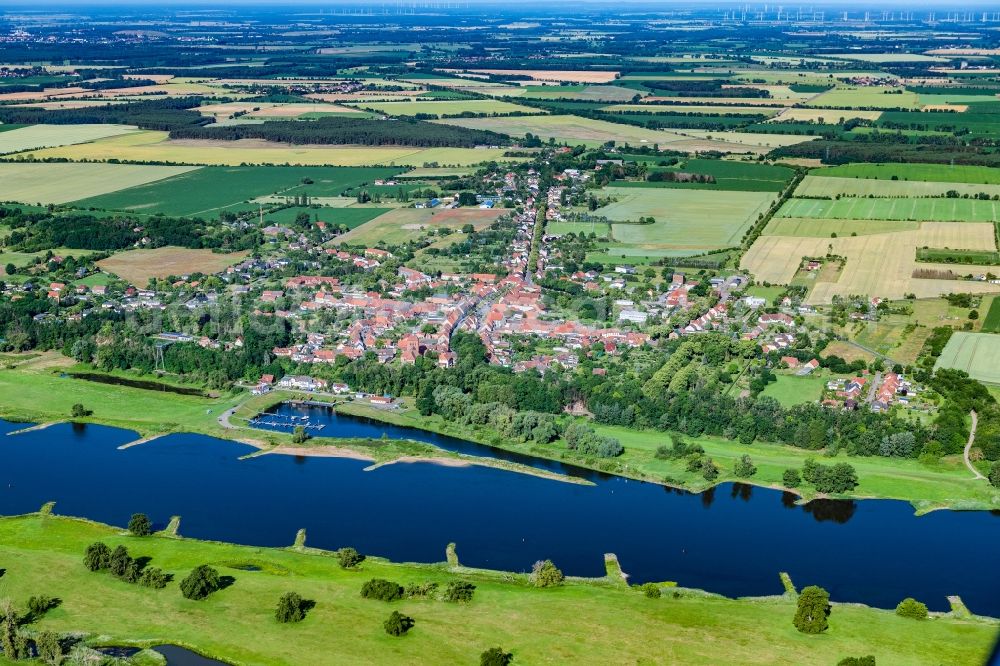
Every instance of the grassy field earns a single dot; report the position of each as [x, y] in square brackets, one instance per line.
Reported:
[946, 210]
[820, 228]
[446, 108]
[44, 136]
[685, 219]
[598, 621]
[869, 97]
[595, 93]
[577, 130]
[930, 172]
[351, 217]
[60, 183]
[976, 353]
[847, 351]
[213, 189]
[728, 174]
[152, 146]
[790, 389]
[991, 323]
[820, 186]
[405, 224]
[943, 484]
[138, 266]
[799, 114]
[708, 109]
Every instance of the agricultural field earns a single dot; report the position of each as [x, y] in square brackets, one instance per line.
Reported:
[406, 224]
[333, 216]
[589, 132]
[47, 136]
[709, 110]
[975, 353]
[138, 266]
[819, 185]
[56, 183]
[568, 76]
[847, 351]
[869, 97]
[939, 209]
[945, 173]
[687, 221]
[446, 107]
[806, 115]
[811, 227]
[153, 146]
[210, 190]
[878, 264]
[582, 93]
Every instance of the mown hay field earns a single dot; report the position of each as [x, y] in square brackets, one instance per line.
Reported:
[868, 97]
[589, 132]
[405, 224]
[976, 353]
[941, 209]
[138, 266]
[804, 115]
[944, 173]
[877, 264]
[446, 107]
[812, 227]
[56, 183]
[685, 219]
[823, 186]
[46, 136]
[154, 146]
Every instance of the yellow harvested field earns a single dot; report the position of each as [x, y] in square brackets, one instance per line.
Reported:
[44, 94]
[151, 146]
[957, 108]
[56, 183]
[803, 115]
[568, 75]
[138, 266]
[877, 264]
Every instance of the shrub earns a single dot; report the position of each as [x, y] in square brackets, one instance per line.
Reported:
[291, 608]
[744, 467]
[994, 475]
[201, 582]
[912, 608]
[546, 574]
[398, 624]
[709, 470]
[495, 657]
[49, 648]
[459, 590]
[857, 661]
[97, 557]
[420, 590]
[349, 558]
[812, 610]
[40, 605]
[154, 578]
[651, 590]
[140, 525]
[791, 478]
[120, 561]
[382, 590]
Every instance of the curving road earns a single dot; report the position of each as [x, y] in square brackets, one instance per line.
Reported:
[968, 446]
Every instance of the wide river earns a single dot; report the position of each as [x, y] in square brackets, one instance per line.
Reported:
[733, 540]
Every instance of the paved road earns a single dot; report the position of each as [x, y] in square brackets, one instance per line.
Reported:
[968, 446]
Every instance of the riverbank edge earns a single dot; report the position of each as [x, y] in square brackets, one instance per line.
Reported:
[430, 453]
[614, 578]
[921, 507]
[320, 447]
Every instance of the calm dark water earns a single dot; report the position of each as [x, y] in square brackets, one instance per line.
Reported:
[285, 416]
[733, 541]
